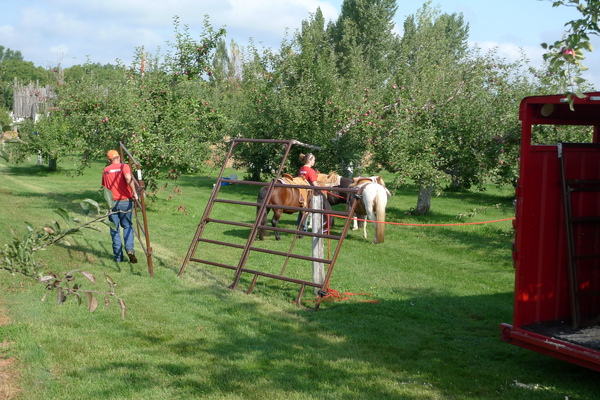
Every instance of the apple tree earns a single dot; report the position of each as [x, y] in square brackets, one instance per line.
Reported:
[161, 113]
[565, 55]
[449, 113]
[297, 93]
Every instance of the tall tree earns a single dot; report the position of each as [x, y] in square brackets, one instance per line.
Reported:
[435, 123]
[297, 93]
[365, 28]
[7, 54]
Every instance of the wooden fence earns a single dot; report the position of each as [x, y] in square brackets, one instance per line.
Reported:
[30, 100]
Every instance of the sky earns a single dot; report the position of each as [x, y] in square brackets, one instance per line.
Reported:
[69, 32]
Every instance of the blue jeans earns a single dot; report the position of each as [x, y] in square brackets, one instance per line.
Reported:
[122, 218]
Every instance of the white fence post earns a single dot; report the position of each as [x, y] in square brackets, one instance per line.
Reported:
[317, 242]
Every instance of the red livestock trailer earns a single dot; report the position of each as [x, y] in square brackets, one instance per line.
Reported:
[557, 243]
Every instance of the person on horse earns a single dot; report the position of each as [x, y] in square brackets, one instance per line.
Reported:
[308, 173]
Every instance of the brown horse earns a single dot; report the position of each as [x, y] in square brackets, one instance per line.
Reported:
[286, 197]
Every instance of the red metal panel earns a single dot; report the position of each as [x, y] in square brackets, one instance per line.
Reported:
[541, 275]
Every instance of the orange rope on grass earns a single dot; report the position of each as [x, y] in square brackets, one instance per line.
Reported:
[334, 295]
[407, 224]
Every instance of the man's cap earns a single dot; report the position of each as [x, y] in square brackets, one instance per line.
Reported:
[112, 154]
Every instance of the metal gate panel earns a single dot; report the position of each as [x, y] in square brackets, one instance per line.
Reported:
[250, 247]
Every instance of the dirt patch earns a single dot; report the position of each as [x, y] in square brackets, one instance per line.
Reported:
[9, 377]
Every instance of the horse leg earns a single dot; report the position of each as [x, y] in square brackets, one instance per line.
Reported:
[370, 217]
[369, 209]
[261, 232]
[261, 197]
[275, 220]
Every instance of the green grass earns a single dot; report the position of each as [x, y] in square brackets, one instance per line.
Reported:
[424, 325]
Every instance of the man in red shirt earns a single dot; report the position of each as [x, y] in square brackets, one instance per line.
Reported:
[117, 178]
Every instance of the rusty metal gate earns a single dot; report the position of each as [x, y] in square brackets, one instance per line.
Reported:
[240, 261]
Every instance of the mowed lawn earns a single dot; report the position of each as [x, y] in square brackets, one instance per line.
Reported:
[418, 317]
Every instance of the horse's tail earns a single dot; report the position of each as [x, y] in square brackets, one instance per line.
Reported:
[381, 203]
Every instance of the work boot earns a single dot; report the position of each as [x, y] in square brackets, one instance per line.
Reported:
[132, 257]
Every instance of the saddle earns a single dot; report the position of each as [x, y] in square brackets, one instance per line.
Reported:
[304, 194]
[333, 179]
[363, 181]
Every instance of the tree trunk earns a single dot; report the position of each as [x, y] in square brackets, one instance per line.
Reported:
[424, 200]
[52, 164]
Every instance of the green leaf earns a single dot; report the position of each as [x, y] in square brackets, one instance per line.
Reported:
[63, 214]
[85, 207]
[110, 224]
[29, 227]
[86, 203]
[78, 296]
[57, 228]
[109, 198]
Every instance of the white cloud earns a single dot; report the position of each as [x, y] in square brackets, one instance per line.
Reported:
[66, 31]
[511, 51]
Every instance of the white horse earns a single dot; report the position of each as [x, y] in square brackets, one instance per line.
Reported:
[372, 205]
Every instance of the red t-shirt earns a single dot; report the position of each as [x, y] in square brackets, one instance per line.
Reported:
[308, 173]
[113, 178]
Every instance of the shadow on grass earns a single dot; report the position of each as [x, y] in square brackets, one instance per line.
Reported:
[427, 345]
[31, 170]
